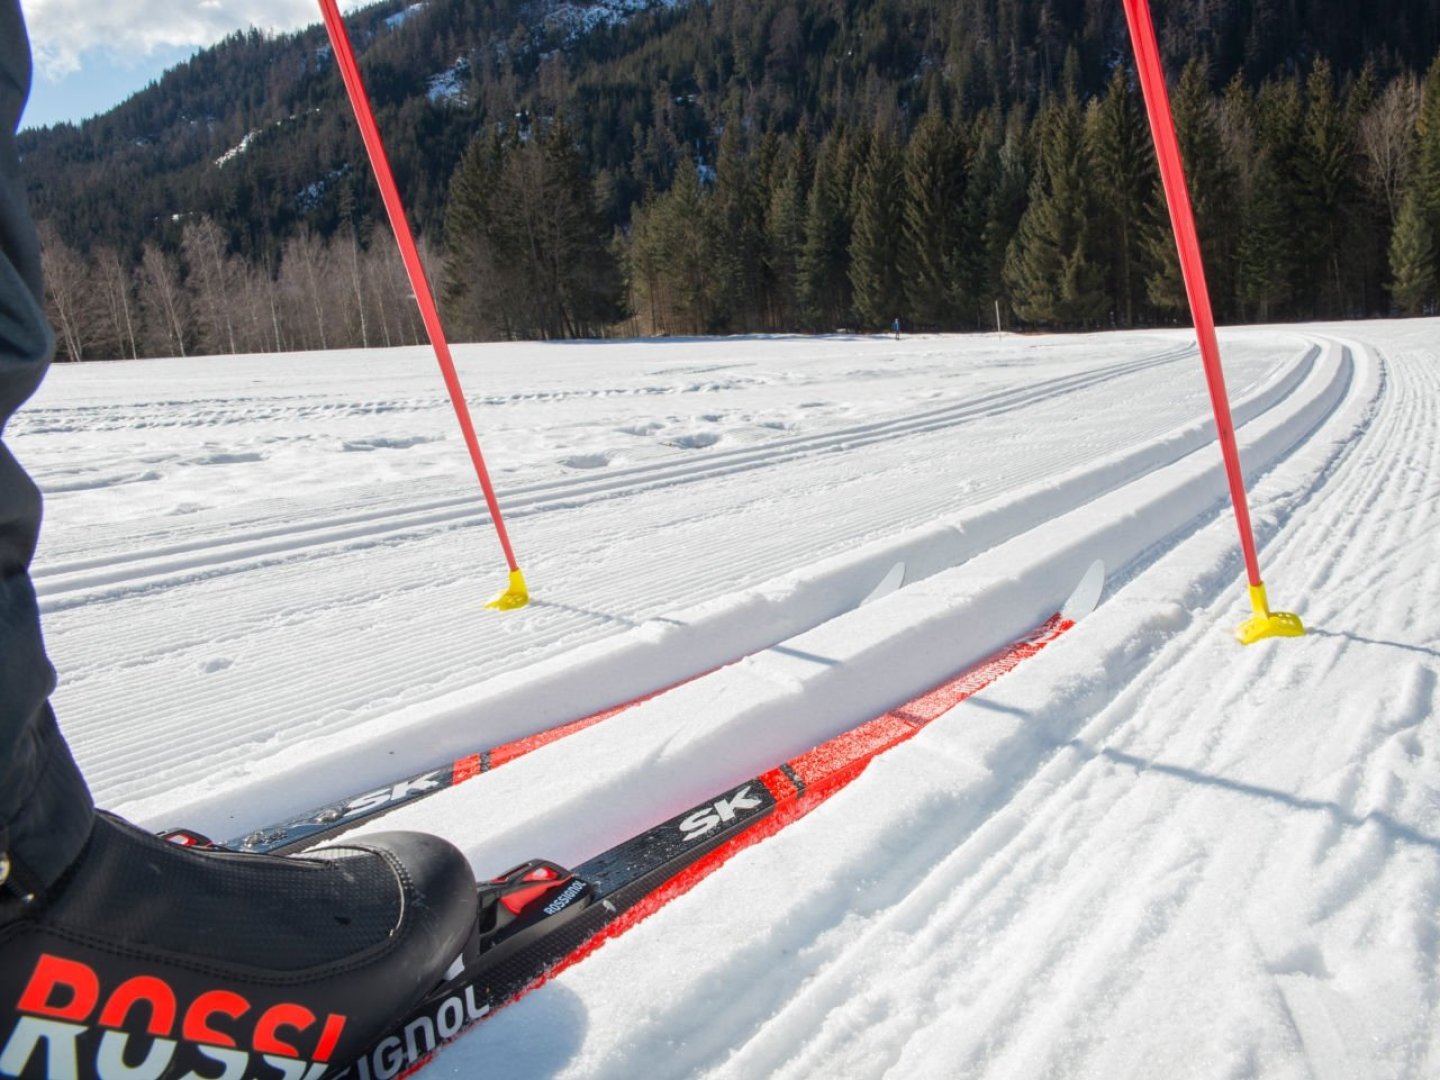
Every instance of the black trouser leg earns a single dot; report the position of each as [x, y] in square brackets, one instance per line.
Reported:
[45, 808]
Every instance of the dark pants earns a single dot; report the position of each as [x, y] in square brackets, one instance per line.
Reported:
[45, 807]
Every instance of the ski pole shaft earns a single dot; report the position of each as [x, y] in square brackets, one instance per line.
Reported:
[1182, 220]
[410, 255]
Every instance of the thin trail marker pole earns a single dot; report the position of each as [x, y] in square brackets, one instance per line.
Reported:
[516, 594]
[1264, 623]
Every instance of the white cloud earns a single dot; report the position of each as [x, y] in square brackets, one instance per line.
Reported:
[63, 31]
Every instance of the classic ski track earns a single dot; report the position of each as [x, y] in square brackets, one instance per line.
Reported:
[1110, 768]
[887, 887]
[287, 699]
[58, 581]
[1025, 978]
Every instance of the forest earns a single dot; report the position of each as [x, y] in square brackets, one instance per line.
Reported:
[750, 165]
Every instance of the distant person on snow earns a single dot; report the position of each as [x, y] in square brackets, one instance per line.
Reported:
[120, 953]
[896, 327]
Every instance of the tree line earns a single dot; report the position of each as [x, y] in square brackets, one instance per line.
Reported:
[1313, 199]
[203, 299]
[1316, 197]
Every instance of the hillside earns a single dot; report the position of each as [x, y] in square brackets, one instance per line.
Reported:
[442, 70]
[253, 137]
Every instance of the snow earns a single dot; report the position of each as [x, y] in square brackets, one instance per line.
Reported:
[236, 150]
[578, 19]
[404, 15]
[448, 87]
[1147, 852]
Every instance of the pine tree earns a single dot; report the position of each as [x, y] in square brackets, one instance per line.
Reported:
[475, 283]
[769, 170]
[785, 228]
[1262, 274]
[1004, 177]
[686, 253]
[1211, 185]
[528, 254]
[1051, 270]
[1125, 181]
[1412, 259]
[877, 244]
[1427, 156]
[934, 223]
[736, 224]
[580, 269]
[645, 269]
[1328, 166]
[823, 286]
[1271, 258]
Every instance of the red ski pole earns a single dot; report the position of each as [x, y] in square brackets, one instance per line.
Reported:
[1264, 623]
[515, 594]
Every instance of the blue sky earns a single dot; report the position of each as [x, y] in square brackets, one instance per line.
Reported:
[104, 80]
[90, 55]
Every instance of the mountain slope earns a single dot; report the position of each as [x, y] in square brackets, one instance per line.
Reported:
[639, 79]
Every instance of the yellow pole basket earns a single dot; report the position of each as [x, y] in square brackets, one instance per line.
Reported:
[1266, 623]
[516, 595]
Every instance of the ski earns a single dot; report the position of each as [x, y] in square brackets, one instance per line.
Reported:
[329, 821]
[539, 918]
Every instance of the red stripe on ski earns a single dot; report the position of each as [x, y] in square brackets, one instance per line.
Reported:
[507, 752]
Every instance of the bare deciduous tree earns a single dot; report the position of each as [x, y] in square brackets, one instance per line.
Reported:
[69, 294]
[1387, 138]
[117, 287]
[164, 301]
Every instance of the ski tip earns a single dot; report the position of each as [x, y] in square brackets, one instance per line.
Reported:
[1087, 594]
[888, 584]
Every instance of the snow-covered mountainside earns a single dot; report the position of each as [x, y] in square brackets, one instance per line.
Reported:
[1148, 852]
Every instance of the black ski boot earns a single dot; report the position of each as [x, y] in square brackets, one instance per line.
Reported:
[149, 960]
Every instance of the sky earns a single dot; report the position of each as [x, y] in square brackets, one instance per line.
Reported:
[90, 57]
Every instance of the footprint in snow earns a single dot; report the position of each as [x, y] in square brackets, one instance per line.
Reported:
[641, 430]
[694, 442]
[586, 461]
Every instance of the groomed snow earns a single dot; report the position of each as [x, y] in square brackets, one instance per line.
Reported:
[1149, 852]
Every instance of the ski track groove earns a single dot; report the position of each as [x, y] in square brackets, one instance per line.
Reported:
[286, 700]
[1124, 806]
[55, 580]
[1093, 952]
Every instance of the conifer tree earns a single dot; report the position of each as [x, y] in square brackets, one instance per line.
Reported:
[1125, 182]
[1426, 179]
[823, 285]
[785, 232]
[1262, 274]
[686, 252]
[768, 171]
[934, 222]
[528, 254]
[1004, 184]
[1412, 259]
[736, 225]
[1270, 254]
[581, 274]
[645, 269]
[1211, 184]
[1051, 270]
[1328, 167]
[877, 242]
[475, 280]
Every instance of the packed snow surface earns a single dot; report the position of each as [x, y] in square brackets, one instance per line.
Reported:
[1147, 852]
